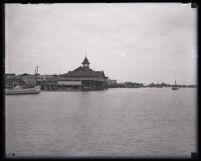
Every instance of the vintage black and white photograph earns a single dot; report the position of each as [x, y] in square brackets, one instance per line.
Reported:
[100, 80]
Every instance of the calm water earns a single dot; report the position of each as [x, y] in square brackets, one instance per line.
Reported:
[142, 122]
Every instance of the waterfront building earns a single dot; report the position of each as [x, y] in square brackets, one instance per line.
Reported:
[11, 81]
[47, 82]
[134, 85]
[44, 79]
[83, 78]
[40, 78]
[9, 75]
[30, 80]
[121, 85]
[112, 83]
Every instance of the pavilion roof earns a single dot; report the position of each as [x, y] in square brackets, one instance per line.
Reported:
[84, 72]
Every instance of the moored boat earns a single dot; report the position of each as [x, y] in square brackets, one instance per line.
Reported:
[175, 87]
[19, 90]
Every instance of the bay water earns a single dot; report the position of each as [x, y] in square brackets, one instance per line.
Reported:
[128, 122]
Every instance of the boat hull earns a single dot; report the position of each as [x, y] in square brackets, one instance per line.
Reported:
[175, 88]
[35, 90]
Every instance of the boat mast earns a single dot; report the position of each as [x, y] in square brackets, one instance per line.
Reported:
[36, 73]
[37, 69]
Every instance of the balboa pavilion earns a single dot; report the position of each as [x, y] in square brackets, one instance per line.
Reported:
[83, 78]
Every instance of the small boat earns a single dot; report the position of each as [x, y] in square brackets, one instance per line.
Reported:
[19, 90]
[175, 87]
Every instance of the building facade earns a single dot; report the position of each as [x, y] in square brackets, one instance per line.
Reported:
[24, 80]
[112, 83]
[12, 81]
[83, 78]
[30, 80]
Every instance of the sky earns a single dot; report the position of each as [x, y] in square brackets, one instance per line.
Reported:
[137, 42]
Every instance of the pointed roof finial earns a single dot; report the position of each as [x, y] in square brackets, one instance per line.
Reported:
[86, 53]
[86, 61]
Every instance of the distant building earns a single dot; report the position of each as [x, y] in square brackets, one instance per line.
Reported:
[40, 78]
[112, 83]
[30, 80]
[13, 81]
[45, 79]
[137, 85]
[121, 85]
[83, 77]
[133, 85]
[9, 75]
[128, 84]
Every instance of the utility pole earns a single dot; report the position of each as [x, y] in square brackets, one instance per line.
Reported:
[37, 69]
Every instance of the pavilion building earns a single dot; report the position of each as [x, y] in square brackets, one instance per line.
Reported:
[83, 78]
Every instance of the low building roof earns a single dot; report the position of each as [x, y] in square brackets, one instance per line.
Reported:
[25, 74]
[84, 72]
[9, 74]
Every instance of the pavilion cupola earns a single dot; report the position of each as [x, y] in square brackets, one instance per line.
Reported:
[85, 63]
